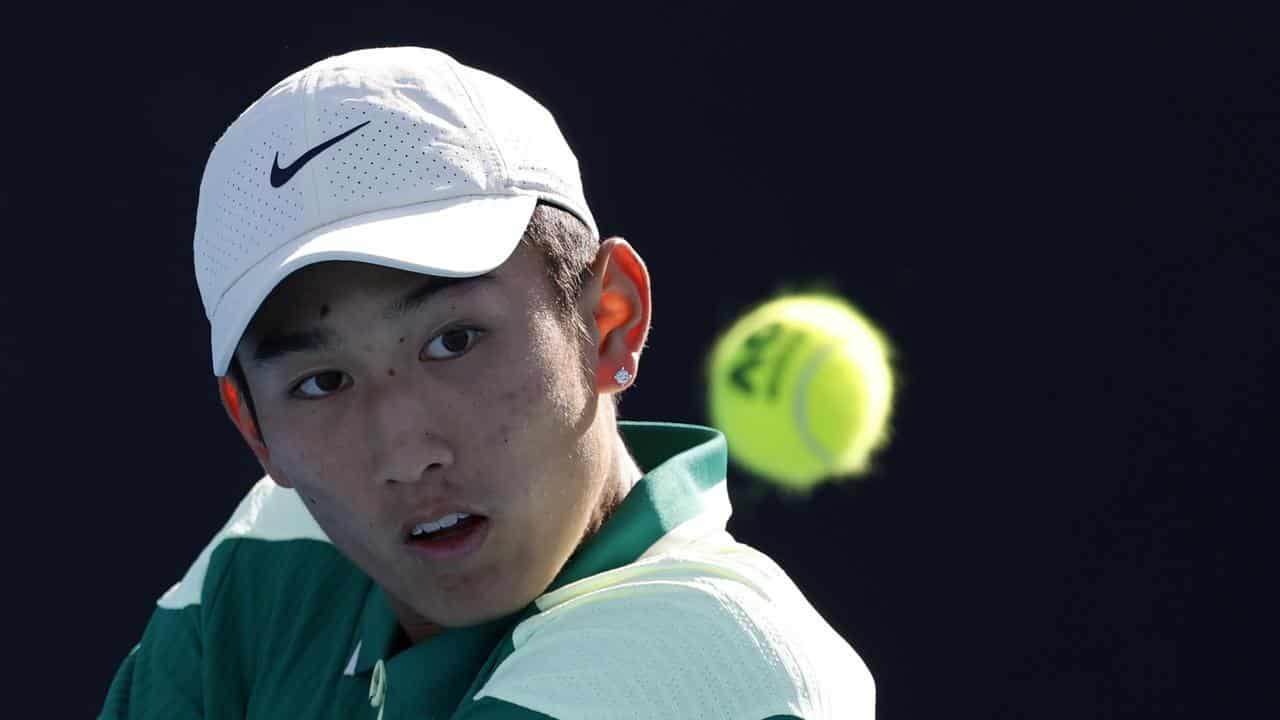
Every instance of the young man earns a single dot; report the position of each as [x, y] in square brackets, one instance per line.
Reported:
[420, 335]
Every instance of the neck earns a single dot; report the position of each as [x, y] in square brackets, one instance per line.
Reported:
[623, 474]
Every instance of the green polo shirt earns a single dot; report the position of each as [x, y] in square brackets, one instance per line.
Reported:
[661, 614]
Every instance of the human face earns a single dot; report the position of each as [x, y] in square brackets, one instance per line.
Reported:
[478, 400]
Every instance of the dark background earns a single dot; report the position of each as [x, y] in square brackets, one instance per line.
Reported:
[1065, 222]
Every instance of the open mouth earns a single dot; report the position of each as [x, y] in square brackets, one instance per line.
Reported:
[452, 529]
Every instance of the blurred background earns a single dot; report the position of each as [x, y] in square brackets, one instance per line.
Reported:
[1065, 222]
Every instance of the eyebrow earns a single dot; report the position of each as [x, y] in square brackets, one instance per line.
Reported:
[274, 346]
[419, 296]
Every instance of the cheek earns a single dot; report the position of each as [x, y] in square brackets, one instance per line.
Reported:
[303, 459]
[534, 411]
[320, 470]
[346, 517]
[530, 441]
[524, 385]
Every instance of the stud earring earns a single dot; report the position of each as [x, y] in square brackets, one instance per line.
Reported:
[622, 376]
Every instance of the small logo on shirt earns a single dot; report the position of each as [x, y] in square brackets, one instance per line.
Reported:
[351, 664]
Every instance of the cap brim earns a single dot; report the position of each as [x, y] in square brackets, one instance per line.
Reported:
[460, 237]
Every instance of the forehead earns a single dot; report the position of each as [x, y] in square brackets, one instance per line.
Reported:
[308, 295]
[336, 279]
[315, 290]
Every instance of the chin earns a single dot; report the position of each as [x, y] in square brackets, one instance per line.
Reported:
[475, 613]
[472, 603]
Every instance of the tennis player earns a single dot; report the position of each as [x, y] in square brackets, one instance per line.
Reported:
[419, 333]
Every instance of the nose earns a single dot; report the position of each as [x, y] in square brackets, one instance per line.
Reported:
[405, 447]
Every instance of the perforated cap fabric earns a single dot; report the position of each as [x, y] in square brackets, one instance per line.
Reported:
[401, 157]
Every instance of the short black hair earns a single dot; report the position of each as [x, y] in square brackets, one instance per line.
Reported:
[568, 249]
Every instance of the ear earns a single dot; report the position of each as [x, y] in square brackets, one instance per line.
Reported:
[238, 412]
[617, 297]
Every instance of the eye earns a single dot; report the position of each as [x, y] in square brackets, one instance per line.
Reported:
[454, 343]
[321, 384]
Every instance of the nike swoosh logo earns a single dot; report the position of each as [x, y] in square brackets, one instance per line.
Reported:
[280, 176]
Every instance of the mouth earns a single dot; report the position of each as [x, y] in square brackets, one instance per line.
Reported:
[449, 537]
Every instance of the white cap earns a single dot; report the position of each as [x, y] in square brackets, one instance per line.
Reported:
[395, 156]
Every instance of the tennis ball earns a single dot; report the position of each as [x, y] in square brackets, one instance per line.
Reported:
[802, 388]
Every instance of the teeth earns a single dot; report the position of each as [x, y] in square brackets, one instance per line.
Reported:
[447, 521]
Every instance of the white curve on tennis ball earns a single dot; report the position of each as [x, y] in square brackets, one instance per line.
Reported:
[800, 407]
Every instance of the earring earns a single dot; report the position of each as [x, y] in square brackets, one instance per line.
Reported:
[622, 376]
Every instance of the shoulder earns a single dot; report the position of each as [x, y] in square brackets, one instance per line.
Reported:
[268, 513]
[723, 633]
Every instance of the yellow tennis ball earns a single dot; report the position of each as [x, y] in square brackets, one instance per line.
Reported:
[802, 388]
